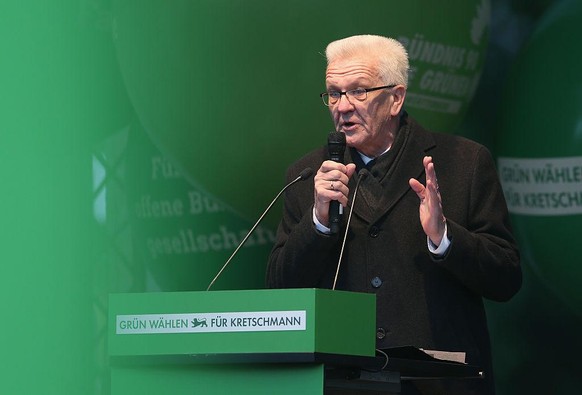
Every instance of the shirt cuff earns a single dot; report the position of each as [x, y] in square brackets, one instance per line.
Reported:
[443, 247]
[319, 226]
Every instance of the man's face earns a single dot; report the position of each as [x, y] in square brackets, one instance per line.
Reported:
[367, 123]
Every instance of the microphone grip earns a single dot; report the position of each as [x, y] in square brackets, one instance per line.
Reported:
[334, 216]
[336, 157]
[336, 146]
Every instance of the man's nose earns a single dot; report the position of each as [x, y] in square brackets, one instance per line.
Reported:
[344, 104]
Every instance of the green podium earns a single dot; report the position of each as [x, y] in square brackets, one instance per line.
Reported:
[235, 342]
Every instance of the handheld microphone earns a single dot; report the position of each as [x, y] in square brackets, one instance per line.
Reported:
[361, 175]
[304, 175]
[336, 145]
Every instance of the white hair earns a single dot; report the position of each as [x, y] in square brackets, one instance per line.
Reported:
[391, 56]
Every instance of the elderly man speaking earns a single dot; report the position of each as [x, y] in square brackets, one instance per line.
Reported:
[430, 248]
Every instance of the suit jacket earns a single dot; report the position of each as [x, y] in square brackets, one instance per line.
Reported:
[422, 300]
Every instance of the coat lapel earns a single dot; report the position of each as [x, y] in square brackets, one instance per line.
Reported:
[388, 181]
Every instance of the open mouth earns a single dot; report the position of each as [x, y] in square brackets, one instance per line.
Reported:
[348, 125]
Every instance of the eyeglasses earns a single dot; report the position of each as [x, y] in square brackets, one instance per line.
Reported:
[361, 94]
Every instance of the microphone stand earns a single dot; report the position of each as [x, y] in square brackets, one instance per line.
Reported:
[361, 175]
[306, 173]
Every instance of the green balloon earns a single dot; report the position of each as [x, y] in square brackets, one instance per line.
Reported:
[228, 90]
[540, 148]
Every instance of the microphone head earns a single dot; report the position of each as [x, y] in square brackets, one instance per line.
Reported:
[336, 137]
[363, 173]
[336, 144]
[306, 173]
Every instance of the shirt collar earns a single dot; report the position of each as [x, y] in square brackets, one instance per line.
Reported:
[367, 159]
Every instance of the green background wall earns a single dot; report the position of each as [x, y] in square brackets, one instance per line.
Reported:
[139, 140]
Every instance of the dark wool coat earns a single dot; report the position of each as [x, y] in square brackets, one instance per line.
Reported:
[421, 300]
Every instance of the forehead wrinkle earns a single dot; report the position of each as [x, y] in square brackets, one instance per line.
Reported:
[354, 71]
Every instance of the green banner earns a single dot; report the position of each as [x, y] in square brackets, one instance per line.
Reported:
[540, 149]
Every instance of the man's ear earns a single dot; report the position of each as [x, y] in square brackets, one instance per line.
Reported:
[398, 93]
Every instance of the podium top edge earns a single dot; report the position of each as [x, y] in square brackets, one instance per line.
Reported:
[247, 291]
